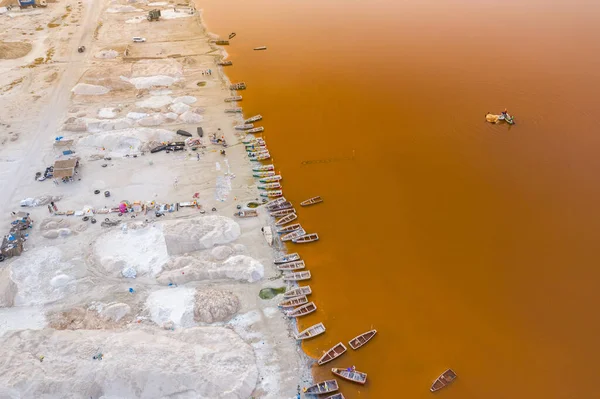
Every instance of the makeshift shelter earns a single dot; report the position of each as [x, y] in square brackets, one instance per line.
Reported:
[64, 146]
[65, 168]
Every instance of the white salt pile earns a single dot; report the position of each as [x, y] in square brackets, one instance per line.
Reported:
[179, 108]
[191, 117]
[135, 20]
[101, 125]
[152, 120]
[84, 89]
[107, 54]
[136, 115]
[170, 116]
[158, 4]
[199, 233]
[154, 102]
[147, 82]
[171, 14]
[172, 304]
[107, 113]
[119, 8]
[185, 99]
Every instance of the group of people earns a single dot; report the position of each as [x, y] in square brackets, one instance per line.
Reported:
[207, 72]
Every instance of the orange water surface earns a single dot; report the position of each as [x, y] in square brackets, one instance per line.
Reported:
[466, 245]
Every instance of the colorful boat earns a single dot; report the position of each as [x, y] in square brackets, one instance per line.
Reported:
[257, 129]
[269, 186]
[291, 266]
[265, 173]
[350, 374]
[270, 179]
[311, 332]
[293, 235]
[246, 214]
[261, 157]
[338, 395]
[234, 110]
[272, 193]
[287, 258]
[306, 238]
[443, 380]
[296, 301]
[280, 207]
[263, 168]
[361, 339]
[311, 201]
[290, 228]
[298, 291]
[245, 126]
[297, 276]
[283, 212]
[322, 387]
[286, 219]
[302, 310]
[253, 154]
[338, 350]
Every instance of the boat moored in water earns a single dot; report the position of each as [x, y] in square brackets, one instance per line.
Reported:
[361, 339]
[336, 351]
[298, 291]
[311, 201]
[287, 258]
[322, 387]
[350, 374]
[306, 238]
[297, 276]
[311, 332]
[291, 266]
[443, 380]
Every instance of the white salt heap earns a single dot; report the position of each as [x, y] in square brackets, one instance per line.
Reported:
[107, 54]
[174, 305]
[191, 117]
[84, 89]
[107, 113]
[146, 82]
[154, 102]
[199, 233]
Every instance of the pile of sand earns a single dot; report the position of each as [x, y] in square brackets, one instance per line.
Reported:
[107, 54]
[215, 306]
[199, 233]
[12, 50]
[80, 318]
[207, 362]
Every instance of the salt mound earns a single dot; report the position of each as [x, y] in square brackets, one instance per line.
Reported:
[170, 116]
[124, 141]
[116, 311]
[107, 113]
[95, 125]
[174, 305]
[154, 102]
[12, 50]
[158, 3]
[215, 305]
[119, 8]
[107, 54]
[84, 89]
[152, 120]
[135, 20]
[171, 14]
[8, 289]
[239, 248]
[220, 253]
[189, 100]
[179, 108]
[137, 115]
[154, 67]
[146, 82]
[187, 268]
[143, 249]
[199, 233]
[207, 362]
[191, 117]
[253, 268]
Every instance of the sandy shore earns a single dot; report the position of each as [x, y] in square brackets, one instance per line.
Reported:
[190, 324]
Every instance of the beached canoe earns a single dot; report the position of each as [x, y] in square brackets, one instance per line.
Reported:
[269, 186]
[260, 48]
[338, 350]
[256, 147]
[350, 374]
[253, 119]
[296, 301]
[302, 310]
[268, 233]
[235, 110]
[311, 332]
[272, 193]
[225, 63]
[281, 206]
[257, 129]
[238, 86]
[232, 35]
[291, 266]
[361, 339]
[297, 276]
[263, 173]
[306, 238]
[286, 219]
[283, 212]
[290, 228]
[245, 126]
[263, 168]
[322, 387]
[270, 179]
[274, 202]
[232, 99]
[338, 395]
[287, 258]
[184, 133]
[261, 157]
[311, 201]
[246, 214]
[293, 235]
[443, 380]
[298, 291]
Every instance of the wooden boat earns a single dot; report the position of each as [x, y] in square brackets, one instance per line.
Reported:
[269, 186]
[306, 238]
[238, 86]
[260, 48]
[287, 258]
[225, 63]
[296, 301]
[283, 212]
[236, 110]
[291, 266]
[221, 42]
[232, 35]
[257, 129]
[256, 146]
[311, 201]
[272, 194]
[263, 173]
[246, 214]
[297, 276]
[244, 126]
[338, 350]
[293, 235]
[253, 119]
[443, 380]
[298, 291]
[302, 310]
[270, 179]
[361, 339]
[351, 375]
[258, 154]
[257, 149]
[261, 157]
[232, 99]
[286, 219]
[311, 332]
[283, 205]
[290, 228]
[322, 387]
[275, 202]
[338, 395]
[268, 233]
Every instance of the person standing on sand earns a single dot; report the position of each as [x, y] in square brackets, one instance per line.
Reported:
[175, 181]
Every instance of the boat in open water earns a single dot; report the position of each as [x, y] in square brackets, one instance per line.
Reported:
[291, 266]
[322, 387]
[443, 380]
[260, 48]
[302, 310]
[306, 238]
[350, 374]
[311, 332]
[298, 291]
[338, 350]
[296, 301]
[287, 258]
[361, 339]
[297, 276]
[338, 395]
[311, 201]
